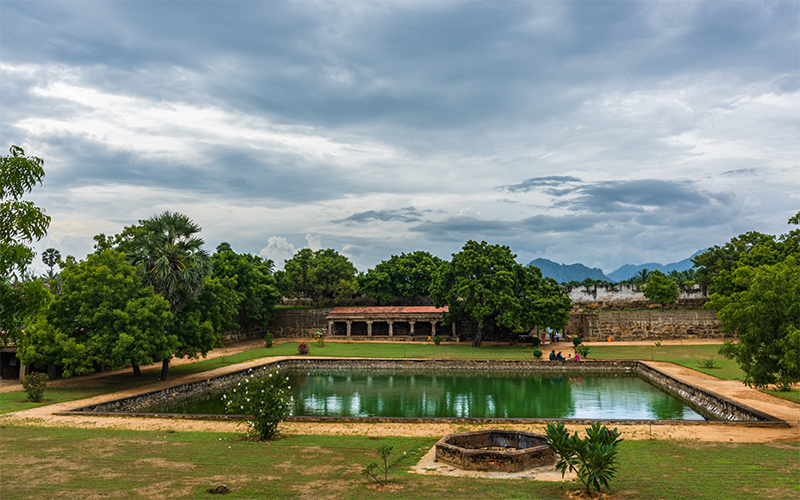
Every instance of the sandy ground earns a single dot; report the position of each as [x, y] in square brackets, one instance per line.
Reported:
[701, 431]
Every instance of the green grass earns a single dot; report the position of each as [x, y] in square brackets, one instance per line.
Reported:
[793, 395]
[684, 355]
[17, 400]
[43, 463]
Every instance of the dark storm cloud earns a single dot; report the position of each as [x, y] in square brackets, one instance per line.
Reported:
[407, 214]
[466, 227]
[641, 195]
[538, 182]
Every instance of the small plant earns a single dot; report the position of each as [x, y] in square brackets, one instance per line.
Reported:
[576, 341]
[437, 339]
[268, 339]
[263, 400]
[34, 385]
[320, 338]
[537, 353]
[374, 470]
[536, 341]
[583, 351]
[302, 348]
[707, 362]
[657, 342]
[593, 459]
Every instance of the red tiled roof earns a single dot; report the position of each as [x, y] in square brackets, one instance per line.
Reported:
[388, 310]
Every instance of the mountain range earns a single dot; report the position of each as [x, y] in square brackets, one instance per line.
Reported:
[564, 273]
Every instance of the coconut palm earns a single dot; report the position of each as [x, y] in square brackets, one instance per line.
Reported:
[172, 261]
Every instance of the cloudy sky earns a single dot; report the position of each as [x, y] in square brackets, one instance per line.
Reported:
[595, 132]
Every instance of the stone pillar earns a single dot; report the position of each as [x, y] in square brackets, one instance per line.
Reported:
[369, 328]
[411, 326]
[454, 328]
[391, 325]
[330, 329]
[349, 328]
[433, 328]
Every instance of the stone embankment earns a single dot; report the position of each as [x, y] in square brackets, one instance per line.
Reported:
[647, 325]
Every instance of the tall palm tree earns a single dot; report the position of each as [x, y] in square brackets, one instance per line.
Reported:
[643, 276]
[172, 261]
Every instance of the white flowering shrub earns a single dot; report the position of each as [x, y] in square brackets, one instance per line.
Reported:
[264, 399]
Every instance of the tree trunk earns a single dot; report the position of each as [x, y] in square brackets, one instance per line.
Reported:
[477, 341]
[137, 371]
[165, 369]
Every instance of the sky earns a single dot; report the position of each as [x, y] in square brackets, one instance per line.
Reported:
[577, 131]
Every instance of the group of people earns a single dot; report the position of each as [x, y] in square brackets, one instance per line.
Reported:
[559, 357]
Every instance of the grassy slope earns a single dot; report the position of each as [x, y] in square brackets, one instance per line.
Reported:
[73, 463]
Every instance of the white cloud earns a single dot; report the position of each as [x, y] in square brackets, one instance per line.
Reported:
[278, 250]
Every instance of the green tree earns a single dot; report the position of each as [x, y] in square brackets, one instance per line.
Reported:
[171, 260]
[661, 289]
[252, 279]
[484, 283]
[404, 275]
[720, 260]
[321, 275]
[51, 257]
[21, 223]
[199, 323]
[766, 317]
[103, 317]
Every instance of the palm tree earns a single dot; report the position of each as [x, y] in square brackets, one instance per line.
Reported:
[643, 276]
[172, 261]
[51, 257]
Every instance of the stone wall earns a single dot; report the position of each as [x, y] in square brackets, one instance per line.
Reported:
[646, 325]
[614, 298]
[287, 323]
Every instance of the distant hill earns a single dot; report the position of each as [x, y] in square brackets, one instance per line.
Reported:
[629, 270]
[564, 273]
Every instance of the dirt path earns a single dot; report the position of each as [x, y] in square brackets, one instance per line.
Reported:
[701, 431]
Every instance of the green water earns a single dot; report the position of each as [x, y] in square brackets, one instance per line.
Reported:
[464, 394]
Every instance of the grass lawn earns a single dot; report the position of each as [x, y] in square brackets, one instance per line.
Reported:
[793, 395]
[44, 463]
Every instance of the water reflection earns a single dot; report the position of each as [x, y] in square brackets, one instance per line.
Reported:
[468, 394]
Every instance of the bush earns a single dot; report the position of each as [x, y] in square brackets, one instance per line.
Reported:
[536, 341]
[264, 401]
[268, 339]
[576, 341]
[34, 385]
[320, 338]
[594, 459]
[302, 348]
[437, 339]
[537, 353]
[707, 362]
[583, 351]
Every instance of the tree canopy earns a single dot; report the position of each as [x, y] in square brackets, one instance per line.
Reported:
[661, 289]
[21, 222]
[171, 259]
[104, 316]
[756, 285]
[484, 283]
[404, 275]
[320, 275]
[253, 282]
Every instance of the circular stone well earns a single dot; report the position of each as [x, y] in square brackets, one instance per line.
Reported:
[495, 451]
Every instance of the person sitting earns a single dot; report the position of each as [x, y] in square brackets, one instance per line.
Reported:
[559, 357]
[569, 357]
[577, 357]
[553, 355]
